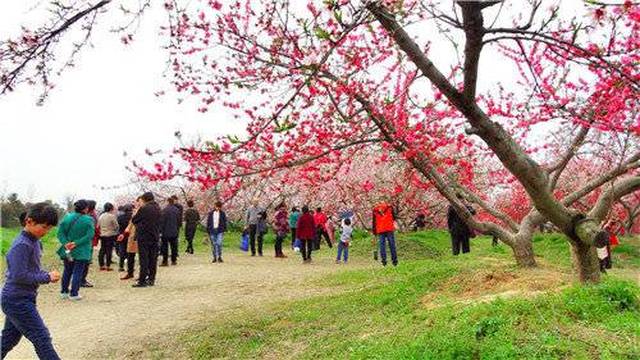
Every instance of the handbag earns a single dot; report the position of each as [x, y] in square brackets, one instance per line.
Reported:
[244, 243]
[297, 245]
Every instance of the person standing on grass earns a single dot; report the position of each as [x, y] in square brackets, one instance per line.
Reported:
[384, 226]
[216, 227]
[109, 230]
[281, 228]
[129, 237]
[169, 231]
[306, 232]
[124, 218]
[320, 220]
[293, 223]
[345, 240]
[147, 222]
[458, 228]
[23, 277]
[251, 220]
[75, 233]
[192, 218]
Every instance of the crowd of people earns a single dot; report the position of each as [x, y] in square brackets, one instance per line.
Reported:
[146, 230]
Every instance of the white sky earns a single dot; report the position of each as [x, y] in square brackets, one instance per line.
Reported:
[108, 100]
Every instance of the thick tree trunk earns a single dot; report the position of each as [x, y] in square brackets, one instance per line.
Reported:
[523, 252]
[586, 262]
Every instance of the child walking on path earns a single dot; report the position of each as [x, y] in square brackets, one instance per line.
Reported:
[23, 277]
[345, 240]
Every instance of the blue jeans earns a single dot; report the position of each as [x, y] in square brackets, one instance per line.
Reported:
[73, 273]
[216, 244]
[342, 249]
[388, 237]
[22, 319]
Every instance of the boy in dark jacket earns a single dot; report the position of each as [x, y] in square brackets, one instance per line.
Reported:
[23, 277]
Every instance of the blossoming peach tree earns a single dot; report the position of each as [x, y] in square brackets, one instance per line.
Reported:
[522, 95]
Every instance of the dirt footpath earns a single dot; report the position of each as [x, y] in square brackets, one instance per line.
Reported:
[114, 319]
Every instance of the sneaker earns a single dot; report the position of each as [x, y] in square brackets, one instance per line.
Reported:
[75, 298]
[214, 260]
[109, 269]
[151, 283]
[260, 254]
[121, 270]
[253, 254]
[139, 285]
[64, 296]
[337, 261]
[220, 260]
[173, 263]
[86, 284]
[103, 268]
[126, 277]
[164, 264]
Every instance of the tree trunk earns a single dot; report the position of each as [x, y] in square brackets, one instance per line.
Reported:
[523, 252]
[585, 260]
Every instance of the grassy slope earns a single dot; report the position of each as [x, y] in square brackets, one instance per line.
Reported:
[435, 306]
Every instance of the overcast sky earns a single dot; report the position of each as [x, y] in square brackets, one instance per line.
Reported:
[106, 105]
[74, 143]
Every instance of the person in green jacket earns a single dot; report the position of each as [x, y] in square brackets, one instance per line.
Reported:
[293, 223]
[75, 233]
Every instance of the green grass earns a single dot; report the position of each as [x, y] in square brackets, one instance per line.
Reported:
[389, 313]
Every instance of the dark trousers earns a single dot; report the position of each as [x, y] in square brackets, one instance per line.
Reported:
[105, 255]
[85, 273]
[72, 274]
[169, 241]
[460, 241]
[148, 261]
[131, 262]
[22, 319]
[278, 244]
[320, 233]
[293, 236]
[388, 237]
[189, 234]
[307, 247]
[121, 249]
[253, 233]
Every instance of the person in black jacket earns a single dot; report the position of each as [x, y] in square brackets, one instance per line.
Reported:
[216, 227]
[169, 230]
[147, 222]
[124, 217]
[460, 232]
[191, 218]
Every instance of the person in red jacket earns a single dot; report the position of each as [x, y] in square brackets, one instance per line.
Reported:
[383, 226]
[321, 228]
[306, 232]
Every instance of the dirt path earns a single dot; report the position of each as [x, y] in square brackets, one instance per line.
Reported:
[113, 319]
